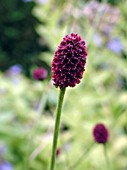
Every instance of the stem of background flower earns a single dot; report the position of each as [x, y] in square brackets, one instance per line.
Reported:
[106, 156]
[82, 156]
[33, 130]
[43, 99]
[57, 124]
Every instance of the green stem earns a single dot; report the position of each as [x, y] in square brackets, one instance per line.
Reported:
[43, 100]
[106, 157]
[82, 157]
[56, 130]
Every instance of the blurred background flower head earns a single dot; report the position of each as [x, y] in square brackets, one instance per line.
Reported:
[5, 166]
[15, 70]
[100, 133]
[40, 73]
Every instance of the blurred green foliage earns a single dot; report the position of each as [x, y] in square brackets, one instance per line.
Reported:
[112, 2]
[19, 41]
[26, 133]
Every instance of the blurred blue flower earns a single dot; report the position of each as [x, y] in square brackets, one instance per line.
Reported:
[15, 69]
[6, 166]
[42, 1]
[26, 0]
[2, 148]
[38, 1]
[115, 45]
[108, 30]
[97, 40]
[104, 66]
[67, 147]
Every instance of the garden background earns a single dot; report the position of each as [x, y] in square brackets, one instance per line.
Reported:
[30, 32]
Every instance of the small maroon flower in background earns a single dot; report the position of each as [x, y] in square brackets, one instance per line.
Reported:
[100, 133]
[58, 150]
[69, 61]
[40, 73]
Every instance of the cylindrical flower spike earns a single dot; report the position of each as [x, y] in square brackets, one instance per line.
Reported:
[100, 133]
[40, 74]
[69, 61]
[68, 66]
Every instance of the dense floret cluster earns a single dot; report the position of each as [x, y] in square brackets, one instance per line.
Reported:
[69, 61]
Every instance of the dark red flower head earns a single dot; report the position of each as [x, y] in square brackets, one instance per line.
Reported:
[100, 133]
[40, 73]
[69, 61]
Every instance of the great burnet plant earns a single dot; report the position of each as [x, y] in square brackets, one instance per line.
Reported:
[68, 66]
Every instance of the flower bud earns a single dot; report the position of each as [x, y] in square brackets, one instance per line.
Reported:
[40, 74]
[100, 133]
